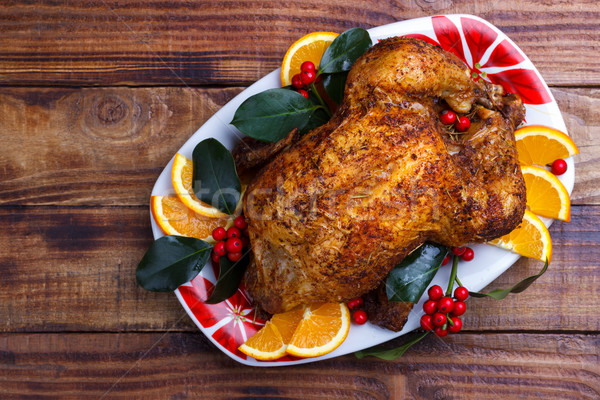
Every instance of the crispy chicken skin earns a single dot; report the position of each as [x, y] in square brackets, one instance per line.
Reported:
[331, 215]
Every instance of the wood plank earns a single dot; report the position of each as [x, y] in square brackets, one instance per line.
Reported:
[207, 42]
[95, 146]
[107, 146]
[73, 269]
[580, 109]
[182, 365]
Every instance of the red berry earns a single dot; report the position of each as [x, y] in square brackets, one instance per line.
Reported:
[446, 259]
[307, 66]
[220, 249]
[239, 222]
[430, 306]
[461, 293]
[459, 308]
[457, 325]
[435, 292]
[356, 303]
[427, 322]
[446, 304]
[234, 232]
[559, 167]
[219, 233]
[457, 251]
[234, 256]
[297, 81]
[359, 317]
[468, 255]
[439, 319]
[303, 93]
[462, 124]
[215, 257]
[308, 77]
[448, 117]
[440, 332]
[233, 245]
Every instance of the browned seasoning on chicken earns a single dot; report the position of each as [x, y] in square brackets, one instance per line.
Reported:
[330, 216]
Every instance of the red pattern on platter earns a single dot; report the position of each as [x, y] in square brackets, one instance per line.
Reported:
[523, 82]
[234, 319]
[448, 36]
[480, 38]
[235, 316]
[504, 56]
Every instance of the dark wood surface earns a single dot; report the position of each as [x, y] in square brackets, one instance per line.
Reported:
[95, 98]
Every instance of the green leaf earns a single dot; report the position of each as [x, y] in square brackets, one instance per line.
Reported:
[390, 354]
[344, 51]
[409, 279]
[334, 85]
[230, 276]
[172, 261]
[269, 116]
[318, 118]
[499, 294]
[215, 179]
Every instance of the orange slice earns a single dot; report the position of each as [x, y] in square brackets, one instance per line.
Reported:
[270, 342]
[266, 344]
[546, 195]
[541, 145]
[174, 218]
[308, 48]
[322, 329]
[181, 176]
[287, 322]
[530, 239]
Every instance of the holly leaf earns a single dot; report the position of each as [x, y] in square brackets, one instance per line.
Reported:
[171, 261]
[334, 85]
[390, 354]
[499, 294]
[269, 116]
[230, 276]
[215, 179]
[344, 51]
[409, 279]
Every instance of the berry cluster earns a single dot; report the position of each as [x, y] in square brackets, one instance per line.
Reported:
[230, 242]
[359, 316]
[449, 117]
[442, 311]
[465, 253]
[306, 77]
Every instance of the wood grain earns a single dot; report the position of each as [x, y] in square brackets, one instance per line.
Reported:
[73, 269]
[107, 146]
[185, 365]
[236, 42]
[100, 146]
[580, 109]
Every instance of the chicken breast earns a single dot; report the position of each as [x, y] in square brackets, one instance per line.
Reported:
[331, 215]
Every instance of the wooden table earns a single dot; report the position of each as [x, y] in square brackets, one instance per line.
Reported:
[95, 98]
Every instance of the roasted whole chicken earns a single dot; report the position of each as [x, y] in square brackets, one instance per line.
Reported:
[330, 215]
